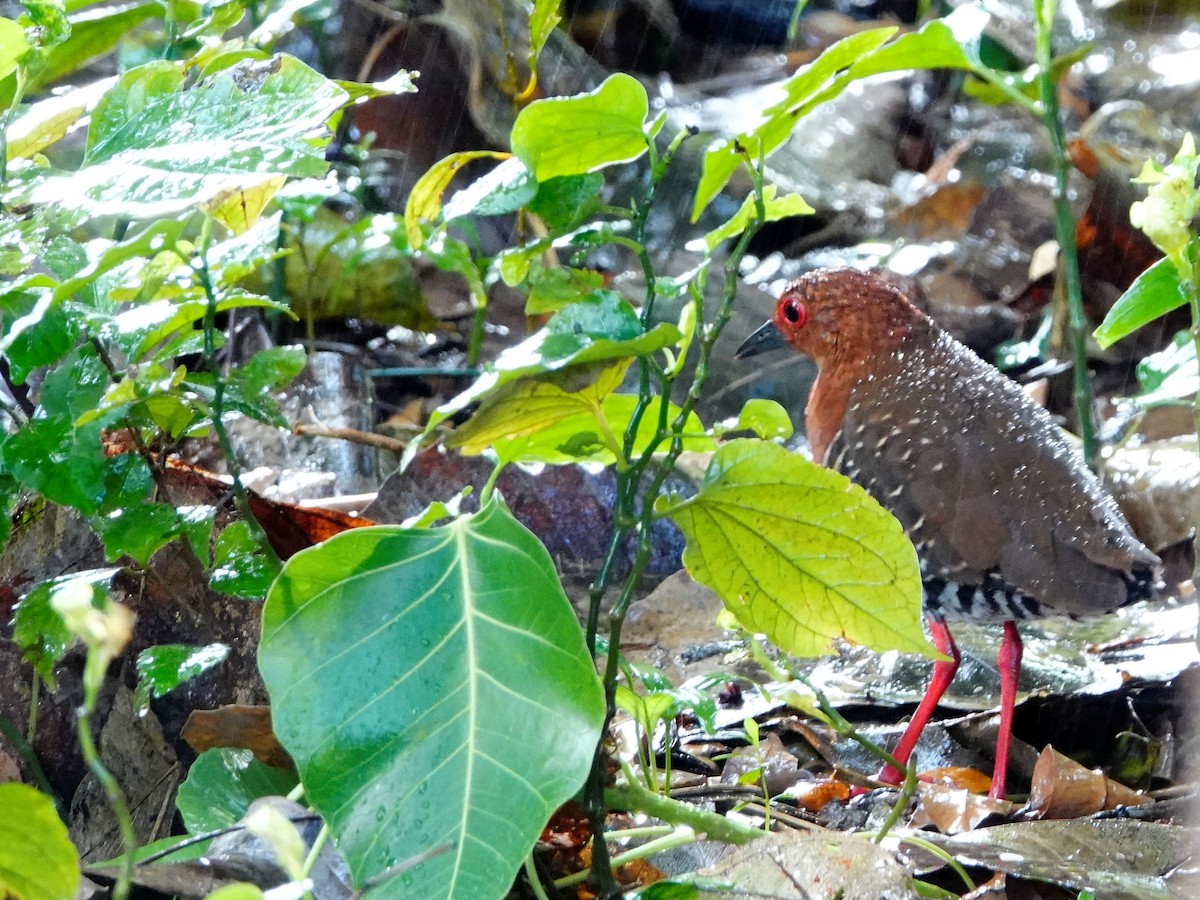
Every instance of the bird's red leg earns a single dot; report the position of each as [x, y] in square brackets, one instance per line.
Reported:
[943, 674]
[1009, 662]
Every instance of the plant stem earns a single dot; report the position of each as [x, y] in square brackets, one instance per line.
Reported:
[241, 499]
[112, 790]
[1064, 223]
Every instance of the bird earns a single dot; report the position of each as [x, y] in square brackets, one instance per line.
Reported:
[1008, 521]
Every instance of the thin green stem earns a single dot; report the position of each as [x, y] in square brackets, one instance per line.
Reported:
[535, 883]
[240, 497]
[314, 852]
[1064, 224]
[114, 794]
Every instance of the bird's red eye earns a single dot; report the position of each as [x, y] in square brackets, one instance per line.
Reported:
[794, 311]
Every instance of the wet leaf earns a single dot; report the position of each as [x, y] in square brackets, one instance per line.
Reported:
[439, 653]
[598, 329]
[1114, 859]
[816, 83]
[1063, 789]
[505, 189]
[424, 202]
[37, 859]
[1154, 293]
[952, 809]
[240, 567]
[164, 667]
[221, 785]
[40, 631]
[137, 531]
[62, 462]
[775, 208]
[342, 269]
[1169, 375]
[801, 554]
[576, 135]
[155, 148]
[563, 203]
[766, 418]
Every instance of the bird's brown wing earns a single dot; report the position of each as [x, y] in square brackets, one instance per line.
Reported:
[984, 484]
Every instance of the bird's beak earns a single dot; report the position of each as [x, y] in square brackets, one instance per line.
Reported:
[765, 338]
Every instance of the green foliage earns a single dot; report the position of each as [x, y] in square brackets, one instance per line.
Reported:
[165, 667]
[221, 785]
[564, 136]
[37, 860]
[1166, 215]
[409, 670]
[800, 554]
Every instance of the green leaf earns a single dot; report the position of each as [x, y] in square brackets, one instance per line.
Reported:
[12, 46]
[221, 785]
[563, 203]
[598, 329]
[37, 859]
[40, 631]
[155, 148]
[775, 209]
[62, 462]
[409, 671]
[542, 20]
[164, 667]
[339, 269]
[552, 289]
[952, 42]
[137, 532]
[766, 418]
[1154, 293]
[1169, 375]
[801, 554]
[424, 202]
[505, 189]
[46, 121]
[820, 81]
[95, 30]
[576, 135]
[240, 567]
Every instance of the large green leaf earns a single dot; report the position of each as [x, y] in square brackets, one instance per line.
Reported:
[434, 689]
[156, 147]
[800, 553]
[37, 859]
[576, 135]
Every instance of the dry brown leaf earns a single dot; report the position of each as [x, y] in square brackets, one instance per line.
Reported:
[1063, 789]
[247, 727]
[954, 810]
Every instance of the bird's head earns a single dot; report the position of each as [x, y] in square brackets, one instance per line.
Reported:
[836, 314]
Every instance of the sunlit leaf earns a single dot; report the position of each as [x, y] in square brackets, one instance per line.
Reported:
[155, 148]
[774, 209]
[800, 553]
[598, 329]
[576, 135]
[37, 859]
